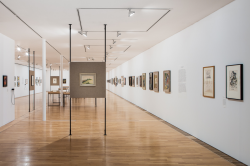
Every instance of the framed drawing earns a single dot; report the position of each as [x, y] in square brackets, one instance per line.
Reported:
[234, 82]
[122, 80]
[151, 81]
[144, 81]
[32, 80]
[167, 81]
[18, 84]
[209, 81]
[14, 78]
[64, 81]
[87, 79]
[133, 81]
[140, 81]
[130, 80]
[14, 84]
[156, 81]
[136, 81]
[5, 81]
[26, 81]
[18, 78]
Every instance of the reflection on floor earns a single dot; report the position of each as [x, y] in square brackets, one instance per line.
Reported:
[133, 137]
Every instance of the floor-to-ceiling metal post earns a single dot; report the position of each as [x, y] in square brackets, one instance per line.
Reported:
[69, 72]
[49, 79]
[29, 78]
[44, 78]
[34, 97]
[105, 129]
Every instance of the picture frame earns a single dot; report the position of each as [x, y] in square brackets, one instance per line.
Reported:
[18, 78]
[32, 80]
[14, 78]
[133, 81]
[151, 81]
[122, 81]
[5, 81]
[14, 84]
[140, 81]
[209, 81]
[144, 81]
[156, 81]
[87, 79]
[130, 81]
[136, 81]
[234, 82]
[167, 81]
[64, 81]
[18, 84]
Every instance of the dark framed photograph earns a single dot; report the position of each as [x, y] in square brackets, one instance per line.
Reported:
[5, 81]
[209, 81]
[130, 80]
[151, 81]
[234, 82]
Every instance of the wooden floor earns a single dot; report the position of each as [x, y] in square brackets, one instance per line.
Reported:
[133, 137]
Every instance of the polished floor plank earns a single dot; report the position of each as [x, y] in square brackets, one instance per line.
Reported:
[133, 137]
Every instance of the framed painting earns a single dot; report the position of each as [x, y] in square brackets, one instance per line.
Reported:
[87, 79]
[18, 78]
[122, 81]
[209, 81]
[18, 84]
[32, 80]
[156, 81]
[26, 81]
[136, 81]
[133, 81]
[14, 78]
[14, 84]
[5, 81]
[167, 81]
[144, 81]
[151, 81]
[130, 81]
[64, 81]
[140, 81]
[234, 82]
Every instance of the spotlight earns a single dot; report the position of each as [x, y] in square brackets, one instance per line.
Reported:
[18, 57]
[27, 53]
[18, 49]
[130, 13]
[114, 41]
[83, 33]
[88, 47]
[111, 47]
[118, 34]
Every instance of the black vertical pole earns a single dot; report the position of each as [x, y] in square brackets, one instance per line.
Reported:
[34, 97]
[69, 70]
[29, 78]
[105, 81]
[49, 79]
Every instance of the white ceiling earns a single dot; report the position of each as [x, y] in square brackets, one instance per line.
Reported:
[50, 19]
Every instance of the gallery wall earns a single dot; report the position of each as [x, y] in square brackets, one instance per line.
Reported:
[23, 73]
[56, 73]
[7, 58]
[220, 39]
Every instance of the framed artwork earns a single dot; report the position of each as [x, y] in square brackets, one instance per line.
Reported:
[144, 81]
[87, 79]
[64, 81]
[54, 81]
[136, 81]
[18, 78]
[18, 84]
[32, 80]
[130, 81]
[151, 81]
[140, 81]
[167, 81]
[122, 80]
[5, 81]
[14, 84]
[209, 81]
[36, 81]
[119, 81]
[156, 81]
[14, 78]
[26, 81]
[133, 81]
[234, 82]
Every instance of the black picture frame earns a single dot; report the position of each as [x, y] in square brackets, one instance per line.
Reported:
[130, 80]
[5, 80]
[233, 77]
[150, 81]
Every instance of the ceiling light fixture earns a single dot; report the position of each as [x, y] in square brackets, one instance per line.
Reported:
[84, 33]
[18, 49]
[130, 13]
[111, 47]
[118, 34]
[88, 47]
[27, 53]
[18, 57]
[114, 41]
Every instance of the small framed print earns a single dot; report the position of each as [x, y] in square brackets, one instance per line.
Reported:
[18, 84]
[5, 81]
[140, 81]
[209, 81]
[133, 81]
[14, 84]
[167, 81]
[32, 80]
[150, 81]
[14, 78]
[87, 79]
[136, 81]
[234, 82]
[130, 80]
[156, 81]
[18, 78]
[64, 81]
[122, 81]
[144, 81]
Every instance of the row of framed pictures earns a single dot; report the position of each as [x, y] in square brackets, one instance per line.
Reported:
[234, 81]
[16, 81]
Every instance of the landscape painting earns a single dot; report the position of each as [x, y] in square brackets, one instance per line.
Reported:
[87, 79]
[167, 81]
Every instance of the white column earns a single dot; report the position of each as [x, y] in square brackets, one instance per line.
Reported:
[61, 79]
[44, 78]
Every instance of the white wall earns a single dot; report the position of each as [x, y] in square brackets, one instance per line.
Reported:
[221, 39]
[23, 73]
[7, 58]
[56, 73]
